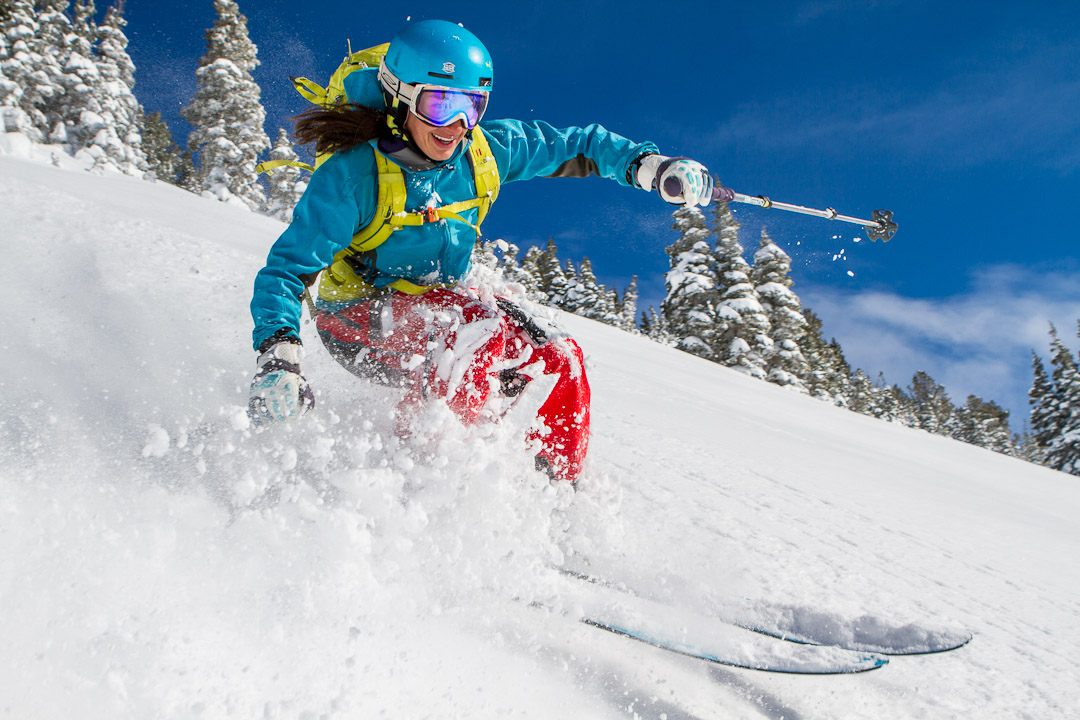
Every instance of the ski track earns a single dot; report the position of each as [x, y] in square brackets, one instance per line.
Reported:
[161, 560]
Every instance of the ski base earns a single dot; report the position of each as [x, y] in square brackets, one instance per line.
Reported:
[867, 633]
[684, 633]
[837, 645]
[832, 664]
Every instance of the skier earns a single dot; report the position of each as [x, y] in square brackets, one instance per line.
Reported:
[392, 217]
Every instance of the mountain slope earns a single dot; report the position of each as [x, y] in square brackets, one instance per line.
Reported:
[161, 560]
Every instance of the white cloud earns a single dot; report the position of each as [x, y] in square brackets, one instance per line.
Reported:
[978, 342]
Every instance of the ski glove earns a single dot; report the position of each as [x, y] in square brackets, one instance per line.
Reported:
[679, 180]
[279, 393]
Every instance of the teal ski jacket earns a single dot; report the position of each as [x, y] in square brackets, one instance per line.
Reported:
[341, 198]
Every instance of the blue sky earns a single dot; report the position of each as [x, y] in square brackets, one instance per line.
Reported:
[962, 118]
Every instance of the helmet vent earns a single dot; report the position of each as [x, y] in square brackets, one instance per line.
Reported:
[441, 75]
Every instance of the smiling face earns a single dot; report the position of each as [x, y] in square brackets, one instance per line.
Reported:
[438, 143]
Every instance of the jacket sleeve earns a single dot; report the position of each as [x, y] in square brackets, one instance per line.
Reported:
[339, 198]
[525, 150]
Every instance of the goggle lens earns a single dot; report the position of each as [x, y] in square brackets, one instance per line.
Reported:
[441, 107]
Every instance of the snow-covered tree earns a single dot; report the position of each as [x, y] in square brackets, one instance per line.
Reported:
[627, 307]
[163, 156]
[829, 376]
[483, 253]
[581, 289]
[25, 80]
[10, 91]
[529, 269]
[985, 424]
[1045, 404]
[226, 113]
[689, 307]
[54, 27]
[593, 299]
[551, 278]
[741, 336]
[771, 276]
[931, 404]
[83, 84]
[864, 394]
[287, 183]
[110, 125]
[654, 328]
[522, 272]
[1063, 452]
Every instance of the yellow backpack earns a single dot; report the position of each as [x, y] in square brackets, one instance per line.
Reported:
[341, 282]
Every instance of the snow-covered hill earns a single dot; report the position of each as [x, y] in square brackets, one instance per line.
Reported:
[160, 560]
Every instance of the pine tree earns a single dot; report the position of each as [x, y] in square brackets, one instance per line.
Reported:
[627, 307]
[578, 297]
[22, 65]
[116, 143]
[885, 402]
[653, 327]
[552, 279]
[689, 307]
[483, 253]
[829, 375]
[226, 113]
[931, 403]
[1063, 452]
[771, 276]
[595, 301]
[287, 182]
[507, 264]
[54, 27]
[528, 272]
[1044, 402]
[741, 336]
[863, 394]
[985, 424]
[163, 156]
[82, 81]
[10, 92]
[608, 307]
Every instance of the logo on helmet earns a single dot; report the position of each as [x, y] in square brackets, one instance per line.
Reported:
[448, 67]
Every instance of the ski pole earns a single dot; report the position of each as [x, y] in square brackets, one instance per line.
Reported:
[881, 227]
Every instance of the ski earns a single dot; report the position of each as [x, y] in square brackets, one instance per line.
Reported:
[816, 628]
[709, 639]
[867, 633]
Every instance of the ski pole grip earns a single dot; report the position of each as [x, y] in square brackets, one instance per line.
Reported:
[723, 194]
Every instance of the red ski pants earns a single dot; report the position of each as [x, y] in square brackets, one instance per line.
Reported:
[448, 346]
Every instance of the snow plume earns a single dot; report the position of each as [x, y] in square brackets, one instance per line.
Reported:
[153, 501]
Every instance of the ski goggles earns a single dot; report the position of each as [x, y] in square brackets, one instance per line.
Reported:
[436, 104]
[442, 106]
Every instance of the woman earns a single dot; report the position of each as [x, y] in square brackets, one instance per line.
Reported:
[392, 217]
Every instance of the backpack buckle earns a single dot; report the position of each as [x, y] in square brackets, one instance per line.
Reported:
[431, 214]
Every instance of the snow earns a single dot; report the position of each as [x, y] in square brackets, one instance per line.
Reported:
[160, 559]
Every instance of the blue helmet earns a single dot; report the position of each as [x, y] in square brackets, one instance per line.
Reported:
[436, 52]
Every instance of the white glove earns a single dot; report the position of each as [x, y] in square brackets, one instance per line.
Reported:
[680, 181]
[279, 393]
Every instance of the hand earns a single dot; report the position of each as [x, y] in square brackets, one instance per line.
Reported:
[279, 393]
[680, 181]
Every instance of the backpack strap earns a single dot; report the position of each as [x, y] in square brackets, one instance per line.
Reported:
[390, 214]
[342, 281]
[275, 164]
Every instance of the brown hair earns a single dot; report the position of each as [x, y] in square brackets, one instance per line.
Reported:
[339, 129]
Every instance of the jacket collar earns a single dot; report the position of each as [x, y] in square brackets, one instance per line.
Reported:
[408, 156]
